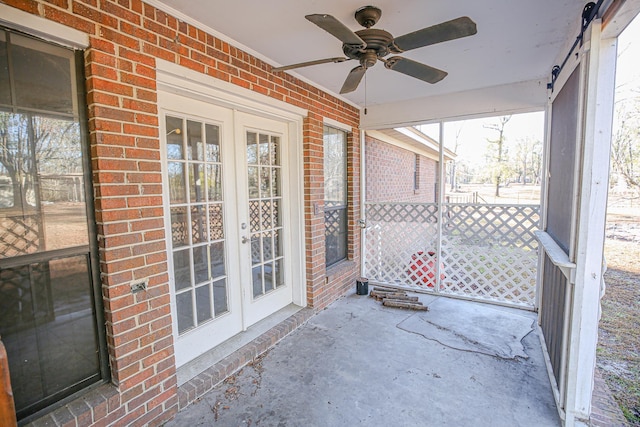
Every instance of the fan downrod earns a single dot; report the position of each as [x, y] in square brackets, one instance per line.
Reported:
[368, 16]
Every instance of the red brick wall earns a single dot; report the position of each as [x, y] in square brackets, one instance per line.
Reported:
[390, 172]
[126, 38]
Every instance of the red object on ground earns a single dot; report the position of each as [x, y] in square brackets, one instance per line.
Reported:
[422, 269]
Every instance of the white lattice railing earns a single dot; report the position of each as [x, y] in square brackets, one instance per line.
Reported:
[488, 252]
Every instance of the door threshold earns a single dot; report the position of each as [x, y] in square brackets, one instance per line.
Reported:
[209, 359]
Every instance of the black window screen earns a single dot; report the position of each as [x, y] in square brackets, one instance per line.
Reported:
[562, 155]
[335, 194]
[49, 307]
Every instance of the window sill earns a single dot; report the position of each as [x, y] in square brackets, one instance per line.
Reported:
[340, 267]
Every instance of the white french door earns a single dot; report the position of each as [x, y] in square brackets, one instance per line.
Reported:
[262, 210]
[226, 211]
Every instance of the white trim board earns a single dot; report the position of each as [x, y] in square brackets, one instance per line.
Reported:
[43, 28]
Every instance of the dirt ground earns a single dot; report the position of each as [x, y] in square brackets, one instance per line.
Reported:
[618, 354]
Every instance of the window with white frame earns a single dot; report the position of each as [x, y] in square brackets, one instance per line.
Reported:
[335, 194]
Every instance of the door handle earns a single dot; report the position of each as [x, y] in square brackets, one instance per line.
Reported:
[245, 239]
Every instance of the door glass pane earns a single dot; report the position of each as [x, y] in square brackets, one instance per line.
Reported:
[179, 229]
[253, 181]
[214, 183]
[256, 280]
[182, 269]
[42, 188]
[220, 297]
[175, 134]
[201, 264]
[267, 244]
[275, 182]
[216, 226]
[256, 250]
[5, 89]
[279, 273]
[42, 75]
[197, 223]
[252, 148]
[195, 145]
[263, 149]
[47, 306]
[177, 190]
[265, 182]
[196, 182]
[264, 211]
[216, 251]
[184, 306]
[268, 277]
[275, 150]
[48, 328]
[213, 143]
[203, 303]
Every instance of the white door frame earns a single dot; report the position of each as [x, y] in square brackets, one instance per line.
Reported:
[172, 78]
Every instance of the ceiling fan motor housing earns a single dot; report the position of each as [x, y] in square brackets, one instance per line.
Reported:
[377, 46]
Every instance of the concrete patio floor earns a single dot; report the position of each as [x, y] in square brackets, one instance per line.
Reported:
[359, 363]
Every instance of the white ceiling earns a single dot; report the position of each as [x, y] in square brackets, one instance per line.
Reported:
[517, 41]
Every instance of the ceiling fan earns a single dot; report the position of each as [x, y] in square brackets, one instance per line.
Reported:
[370, 45]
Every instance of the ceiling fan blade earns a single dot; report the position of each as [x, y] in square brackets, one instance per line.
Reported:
[353, 79]
[450, 30]
[336, 29]
[308, 63]
[415, 69]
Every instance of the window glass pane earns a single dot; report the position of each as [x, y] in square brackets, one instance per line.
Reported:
[335, 235]
[335, 195]
[174, 138]
[203, 303]
[42, 75]
[335, 167]
[48, 328]
[5, 90]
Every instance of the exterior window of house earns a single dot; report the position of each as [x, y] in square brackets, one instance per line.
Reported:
[49, 312]
[416, 172]
[335, 194]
